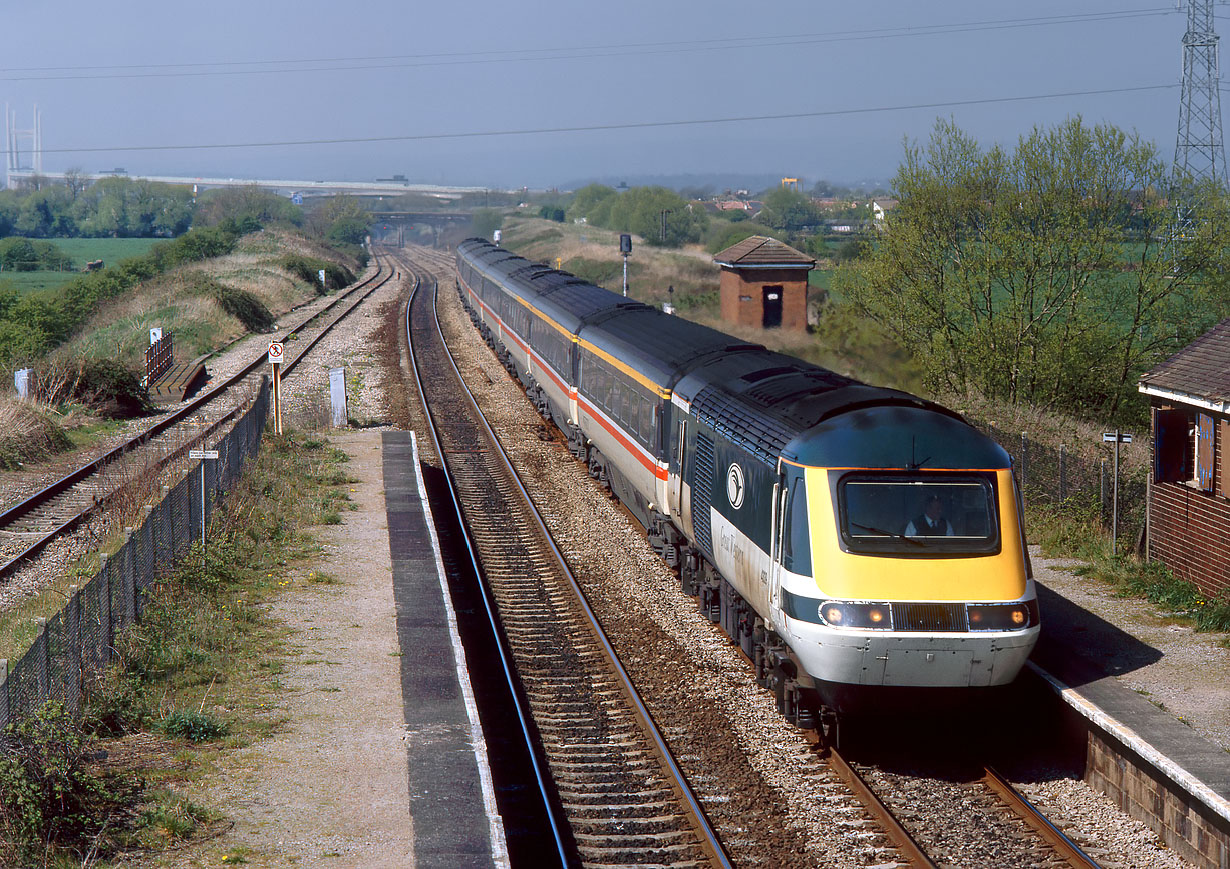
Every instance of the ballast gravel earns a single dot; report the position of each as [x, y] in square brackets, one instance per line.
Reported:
[604, 542]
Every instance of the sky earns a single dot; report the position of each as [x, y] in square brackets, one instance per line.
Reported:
[556, 92]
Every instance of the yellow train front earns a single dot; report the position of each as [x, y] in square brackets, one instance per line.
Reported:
[866, 544]
[919, 577]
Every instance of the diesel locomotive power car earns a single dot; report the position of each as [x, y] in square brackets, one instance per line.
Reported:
[853, 540]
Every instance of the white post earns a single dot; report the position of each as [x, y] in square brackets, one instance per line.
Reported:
[337, 396]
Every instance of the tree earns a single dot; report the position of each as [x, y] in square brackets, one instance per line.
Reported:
[1043, 276]
[249, 201]
[589, 199]
[789, 210]
[485, 222]
[660, 216]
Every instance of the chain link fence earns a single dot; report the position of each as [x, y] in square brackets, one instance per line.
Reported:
[81, 637]
[1056, 477]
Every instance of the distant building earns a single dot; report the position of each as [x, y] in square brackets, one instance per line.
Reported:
[880, 207]
[1189, 499]
[764, 284]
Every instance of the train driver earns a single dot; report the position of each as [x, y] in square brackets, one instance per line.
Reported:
[931, 522]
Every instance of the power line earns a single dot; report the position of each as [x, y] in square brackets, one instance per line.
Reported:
[380, 62]
[478, 134]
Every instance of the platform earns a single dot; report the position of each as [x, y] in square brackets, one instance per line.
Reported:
[452, 802]
[1071, 658]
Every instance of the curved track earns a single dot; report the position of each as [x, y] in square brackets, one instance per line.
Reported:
[987, 817]
[62, 506]
[622, 794]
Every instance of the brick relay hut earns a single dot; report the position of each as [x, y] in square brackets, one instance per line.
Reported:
[1189, 501]
[764, 284]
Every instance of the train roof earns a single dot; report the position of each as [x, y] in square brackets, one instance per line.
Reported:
[661, 347]
[772, 404]
[567, 299]
[776, 405]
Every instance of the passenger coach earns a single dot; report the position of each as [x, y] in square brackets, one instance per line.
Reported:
[853, 540]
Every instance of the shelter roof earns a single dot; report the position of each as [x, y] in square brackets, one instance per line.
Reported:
[1198, 374]
[760, 251]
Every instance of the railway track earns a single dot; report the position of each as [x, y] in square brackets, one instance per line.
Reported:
[622, 795]
[978, 822]
[928, 816]
[28, 527]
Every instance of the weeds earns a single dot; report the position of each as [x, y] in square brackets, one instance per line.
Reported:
[194, 726]
[48, 797]
[1074, 530]
[196, 668]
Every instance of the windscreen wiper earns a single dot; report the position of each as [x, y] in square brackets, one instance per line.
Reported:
[888, 534]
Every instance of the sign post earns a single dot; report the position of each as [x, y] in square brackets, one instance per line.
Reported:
[337, 396]
[1116, 437]
[21, 381]
[275, 359]
[202, 455]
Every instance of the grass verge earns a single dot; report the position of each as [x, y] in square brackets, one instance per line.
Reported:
[1074, 530]
[198, 675]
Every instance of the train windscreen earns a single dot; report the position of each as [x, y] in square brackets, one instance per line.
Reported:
[919, 515]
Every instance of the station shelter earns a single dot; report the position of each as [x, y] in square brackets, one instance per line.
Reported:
[764, 284]
[1189, 494]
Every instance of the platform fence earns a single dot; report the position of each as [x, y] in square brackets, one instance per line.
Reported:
[81, 638]
[1054, 476]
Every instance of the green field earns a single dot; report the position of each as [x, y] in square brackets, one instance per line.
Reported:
[81, 251]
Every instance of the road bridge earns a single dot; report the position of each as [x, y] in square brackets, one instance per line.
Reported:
[283, 187]
[389, 227]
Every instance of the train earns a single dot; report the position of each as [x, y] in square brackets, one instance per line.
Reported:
[862, 545]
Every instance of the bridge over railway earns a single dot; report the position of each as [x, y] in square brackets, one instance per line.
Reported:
[390, 227]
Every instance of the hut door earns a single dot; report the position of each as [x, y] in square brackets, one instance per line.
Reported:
[772, 307]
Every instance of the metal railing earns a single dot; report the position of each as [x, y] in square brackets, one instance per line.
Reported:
[81, 637]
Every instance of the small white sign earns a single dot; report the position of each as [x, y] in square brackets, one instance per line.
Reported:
[155, 335]
[275, 351]
[202, 454]
[321, 273]
[1108, 437]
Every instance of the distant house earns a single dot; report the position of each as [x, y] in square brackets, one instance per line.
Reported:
[764, 284]
[1189, 499]
[881, 207]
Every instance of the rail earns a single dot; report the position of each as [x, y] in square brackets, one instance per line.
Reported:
[69, 481]
[710, 843]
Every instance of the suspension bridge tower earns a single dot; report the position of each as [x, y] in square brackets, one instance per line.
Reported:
[1199, 152]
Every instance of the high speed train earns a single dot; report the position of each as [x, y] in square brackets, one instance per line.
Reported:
[857, 542]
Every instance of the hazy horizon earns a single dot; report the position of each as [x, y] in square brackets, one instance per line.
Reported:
[486, 95]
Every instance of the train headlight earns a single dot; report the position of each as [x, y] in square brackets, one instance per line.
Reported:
[998, 616]
[877, 616]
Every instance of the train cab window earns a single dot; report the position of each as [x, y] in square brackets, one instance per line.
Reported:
[918, 516]
[796, 540]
